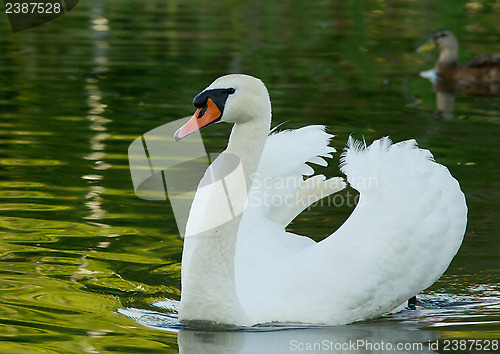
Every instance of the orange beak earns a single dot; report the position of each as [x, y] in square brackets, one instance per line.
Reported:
[201, 118]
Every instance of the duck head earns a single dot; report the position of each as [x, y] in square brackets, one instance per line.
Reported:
[442, 40]
[233, 98]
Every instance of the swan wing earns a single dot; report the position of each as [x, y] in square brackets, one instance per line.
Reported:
[416, 197]
[401, 237]
[409, 224]
[407, 227]
[283, 187]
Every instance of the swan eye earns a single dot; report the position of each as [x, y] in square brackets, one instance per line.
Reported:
[202, 111]
[231, 90]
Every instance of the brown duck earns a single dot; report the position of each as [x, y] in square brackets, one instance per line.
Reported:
[485, 68]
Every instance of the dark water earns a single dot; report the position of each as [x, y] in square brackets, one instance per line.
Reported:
[77, 244]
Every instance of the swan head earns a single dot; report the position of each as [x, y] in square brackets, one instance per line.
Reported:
[442, 40]
[233, 98]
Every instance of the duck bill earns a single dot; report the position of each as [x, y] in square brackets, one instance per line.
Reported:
[429, 45]
[203, 116]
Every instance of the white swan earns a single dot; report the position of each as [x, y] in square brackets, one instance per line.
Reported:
[247, 270]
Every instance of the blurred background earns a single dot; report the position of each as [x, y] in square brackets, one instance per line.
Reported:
[76, 243]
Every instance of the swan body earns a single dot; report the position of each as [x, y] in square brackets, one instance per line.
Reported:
[247, 269]
[482, 69]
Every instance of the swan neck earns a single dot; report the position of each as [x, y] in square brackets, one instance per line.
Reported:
[208, 277]
[247, 141]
